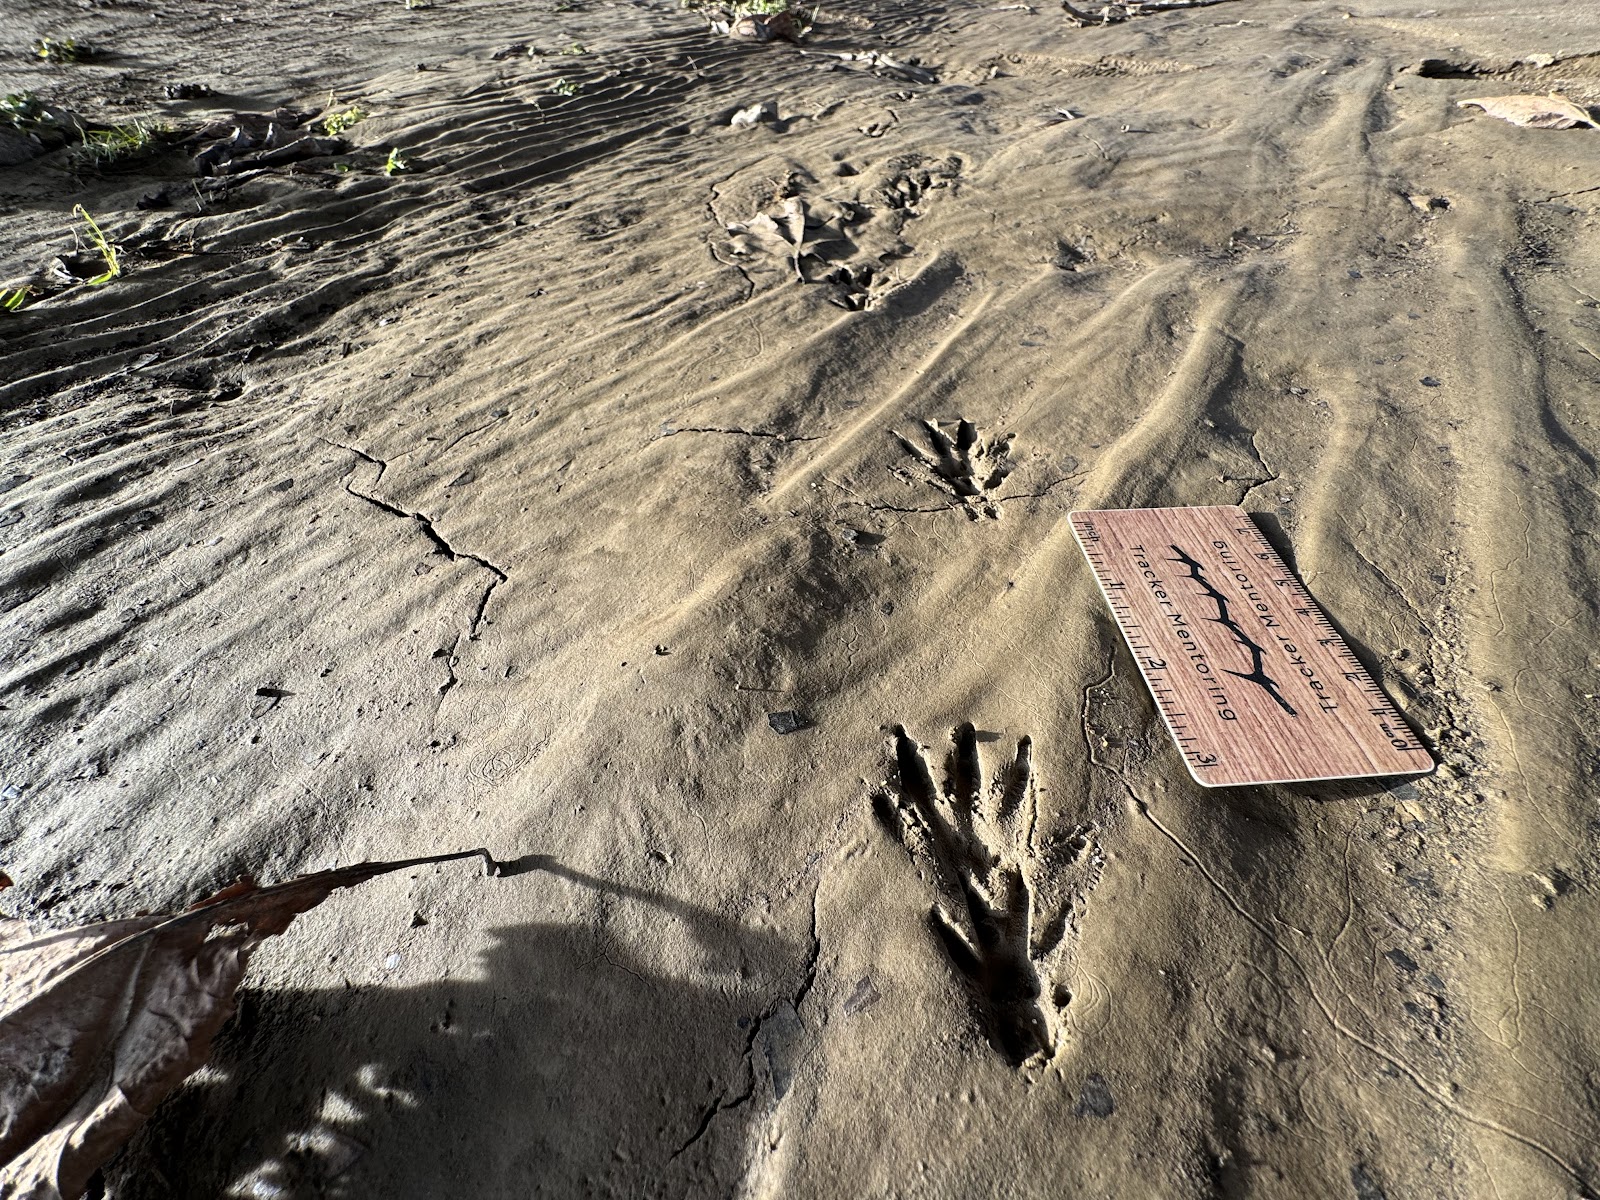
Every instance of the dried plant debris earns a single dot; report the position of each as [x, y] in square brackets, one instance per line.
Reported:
[1535, 112]
[256, 141]
[782, 26]
[755, 20]
[765, 112]
[907, 70]
[188, 91]
[814, 238]
[1111, 14]
[785, 233]
[99, 1023]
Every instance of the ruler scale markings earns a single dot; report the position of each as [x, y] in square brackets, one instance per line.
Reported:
[1251, 677]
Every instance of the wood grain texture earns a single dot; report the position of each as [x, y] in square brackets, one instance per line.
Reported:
[1252, 679]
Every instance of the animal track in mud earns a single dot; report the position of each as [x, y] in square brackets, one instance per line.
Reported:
[1005, 938]
[966, 466]
[845, 234]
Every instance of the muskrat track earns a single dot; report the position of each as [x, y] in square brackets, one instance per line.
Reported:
[965, 466]
[824, 228]
[981, 845]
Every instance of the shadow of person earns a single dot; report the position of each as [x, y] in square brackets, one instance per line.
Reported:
[570, 1064]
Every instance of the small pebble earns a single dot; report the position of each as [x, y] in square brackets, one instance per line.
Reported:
[787, 721]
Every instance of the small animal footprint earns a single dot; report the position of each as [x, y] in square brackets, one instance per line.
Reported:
[979, 842]
[967, 468]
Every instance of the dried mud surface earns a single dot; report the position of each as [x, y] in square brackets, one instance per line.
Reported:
[515, 500]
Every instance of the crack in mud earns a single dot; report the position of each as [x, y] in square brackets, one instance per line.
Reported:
[722, 1104]
[673, 431]
[1272, 476]
[431, 532]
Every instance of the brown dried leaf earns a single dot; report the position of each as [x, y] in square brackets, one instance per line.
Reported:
[796, 230]
[1536, 112]
[783, 237]
[98, 1024]
[763, 27]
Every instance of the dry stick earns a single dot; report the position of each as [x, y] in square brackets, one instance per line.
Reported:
[1112, 13]
[1097, 146]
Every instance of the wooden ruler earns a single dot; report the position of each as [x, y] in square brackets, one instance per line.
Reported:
[1252, 679]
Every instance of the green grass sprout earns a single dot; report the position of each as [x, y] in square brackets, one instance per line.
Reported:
[23, 111]
[104, 147]
[104, 245]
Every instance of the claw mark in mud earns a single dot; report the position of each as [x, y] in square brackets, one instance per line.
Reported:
[425, 523]
[1257, 673]
[981, 845]
[967, 468]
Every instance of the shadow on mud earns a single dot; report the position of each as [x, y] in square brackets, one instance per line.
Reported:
[568, 1064]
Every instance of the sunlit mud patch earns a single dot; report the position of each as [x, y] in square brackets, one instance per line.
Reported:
[313, 1158]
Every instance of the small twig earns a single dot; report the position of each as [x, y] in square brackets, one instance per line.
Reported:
[1097, 145]
[1111, 14]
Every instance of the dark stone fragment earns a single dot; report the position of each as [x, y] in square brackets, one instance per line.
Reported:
[787, 721]
[1096, 1099]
